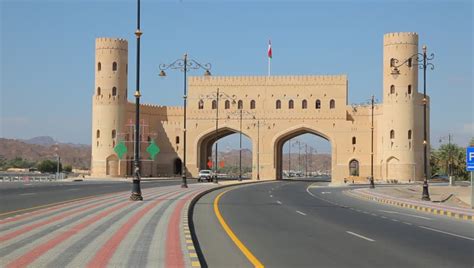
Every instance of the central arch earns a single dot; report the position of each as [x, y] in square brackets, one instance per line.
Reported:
[291, 133]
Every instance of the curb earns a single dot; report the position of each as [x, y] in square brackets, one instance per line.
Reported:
[198, 260]
[427, 209]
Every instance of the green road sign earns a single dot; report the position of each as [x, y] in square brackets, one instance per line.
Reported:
[120, 149]
[153, 149]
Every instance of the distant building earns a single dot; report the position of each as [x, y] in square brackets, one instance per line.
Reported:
[282, 106]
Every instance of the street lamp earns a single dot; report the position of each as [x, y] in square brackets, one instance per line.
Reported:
[372, 185]
[215, 96]
[185, 65]
[422, 61]
[136, 191]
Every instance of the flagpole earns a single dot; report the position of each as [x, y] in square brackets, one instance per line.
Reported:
[269, 66]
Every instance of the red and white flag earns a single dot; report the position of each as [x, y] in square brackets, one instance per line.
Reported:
[269, 49]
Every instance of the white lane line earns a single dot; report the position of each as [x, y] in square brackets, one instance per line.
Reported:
[443, 232]
[374, 214]
[360, 236]
[325, 192]
[271, 195]
[28, 184]
[74, 189]
[383, 217]
[406, 214]
[304, 214]
[395, 220]
[28, 194]
[407, 223]
[279, 202]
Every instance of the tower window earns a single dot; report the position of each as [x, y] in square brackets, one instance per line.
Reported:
[304, 104]
[409, 89]
[114, 134]
[291, 104]
[409, 134]
[99, 66]
[332, 104]
[278, 104]
[240, 104]
[392, 62]
[252, 104]
[318, 104]
[227, 104]
[354, 140]
[114, 91]
[177, 139]
[354, 168]
[392, 134]
[201, 105]
[214, 104]
[97, 134]
[114, 66]
[392, 89]
[98, 91]
[409, 62]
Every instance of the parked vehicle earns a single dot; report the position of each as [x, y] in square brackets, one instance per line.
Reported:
[205, 174]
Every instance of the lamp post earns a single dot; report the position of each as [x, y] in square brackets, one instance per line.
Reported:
[372, 185]
[136, 191]
[422, 62]
[185, 65]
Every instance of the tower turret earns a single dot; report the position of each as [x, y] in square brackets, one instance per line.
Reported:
[108, 104]
[401, 130]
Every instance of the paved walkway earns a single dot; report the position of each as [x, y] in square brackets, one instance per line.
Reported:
[105, 231]
[445, 200]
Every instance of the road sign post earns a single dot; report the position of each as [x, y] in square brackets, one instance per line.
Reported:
[470, 167]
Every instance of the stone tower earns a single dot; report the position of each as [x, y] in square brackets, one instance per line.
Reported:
[109, 103]
[402, 133]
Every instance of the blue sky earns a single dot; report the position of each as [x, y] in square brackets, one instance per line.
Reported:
[47, 52]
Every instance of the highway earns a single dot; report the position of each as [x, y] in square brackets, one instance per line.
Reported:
[304, 224]
[21, 197]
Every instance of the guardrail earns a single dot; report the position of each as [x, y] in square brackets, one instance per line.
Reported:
[30, 177]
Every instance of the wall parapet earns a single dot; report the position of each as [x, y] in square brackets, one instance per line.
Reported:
[294, 80]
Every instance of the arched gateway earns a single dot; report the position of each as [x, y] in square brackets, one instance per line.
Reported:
[275, 109]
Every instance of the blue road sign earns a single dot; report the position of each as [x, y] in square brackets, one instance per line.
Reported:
[470, 158]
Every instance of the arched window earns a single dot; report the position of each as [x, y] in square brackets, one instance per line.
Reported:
[354, 141]
[332, 104]
[240, 104]
[252, 104]
[392, 89]
[392, 62]
[291, 104]
[114, 66]
[304, 104]
[354, 168]
[409, 89]
[409, 134]
[114, 91]
[177, 139]
[278, 104]
[201, 104]
[392, 134]
[99, 66]
[114, 134]
[318, 104]
[227, 104]
[409, 62]
[214, 104]
[97, 134]
[98, 91]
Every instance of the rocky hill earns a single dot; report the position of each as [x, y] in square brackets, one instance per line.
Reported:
[42, 148]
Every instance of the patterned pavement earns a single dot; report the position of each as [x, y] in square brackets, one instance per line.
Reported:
[104, 231]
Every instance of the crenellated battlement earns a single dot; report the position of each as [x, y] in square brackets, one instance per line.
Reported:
[267, 80]
[111, 43]
[400, 38]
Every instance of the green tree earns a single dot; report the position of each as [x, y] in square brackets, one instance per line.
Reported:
[67, 168]
[48, 166]
[449, 159]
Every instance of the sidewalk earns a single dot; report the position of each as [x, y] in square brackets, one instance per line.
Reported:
[450, 201]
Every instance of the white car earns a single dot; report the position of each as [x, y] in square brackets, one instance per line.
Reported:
[205, 174]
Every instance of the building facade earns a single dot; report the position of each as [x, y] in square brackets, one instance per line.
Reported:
[275, 109]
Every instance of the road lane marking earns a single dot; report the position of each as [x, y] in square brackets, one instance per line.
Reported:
[325, 192]
[360, 236]
[395, 220]
[28, 194]
[304, 214]
[279, 202]
[406, 214]
[73, 189]
[271, 195]
[443, 232]
[232, 236]
[407, 223]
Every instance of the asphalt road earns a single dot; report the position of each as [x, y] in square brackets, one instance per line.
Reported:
[19, 197]
[291, 224]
